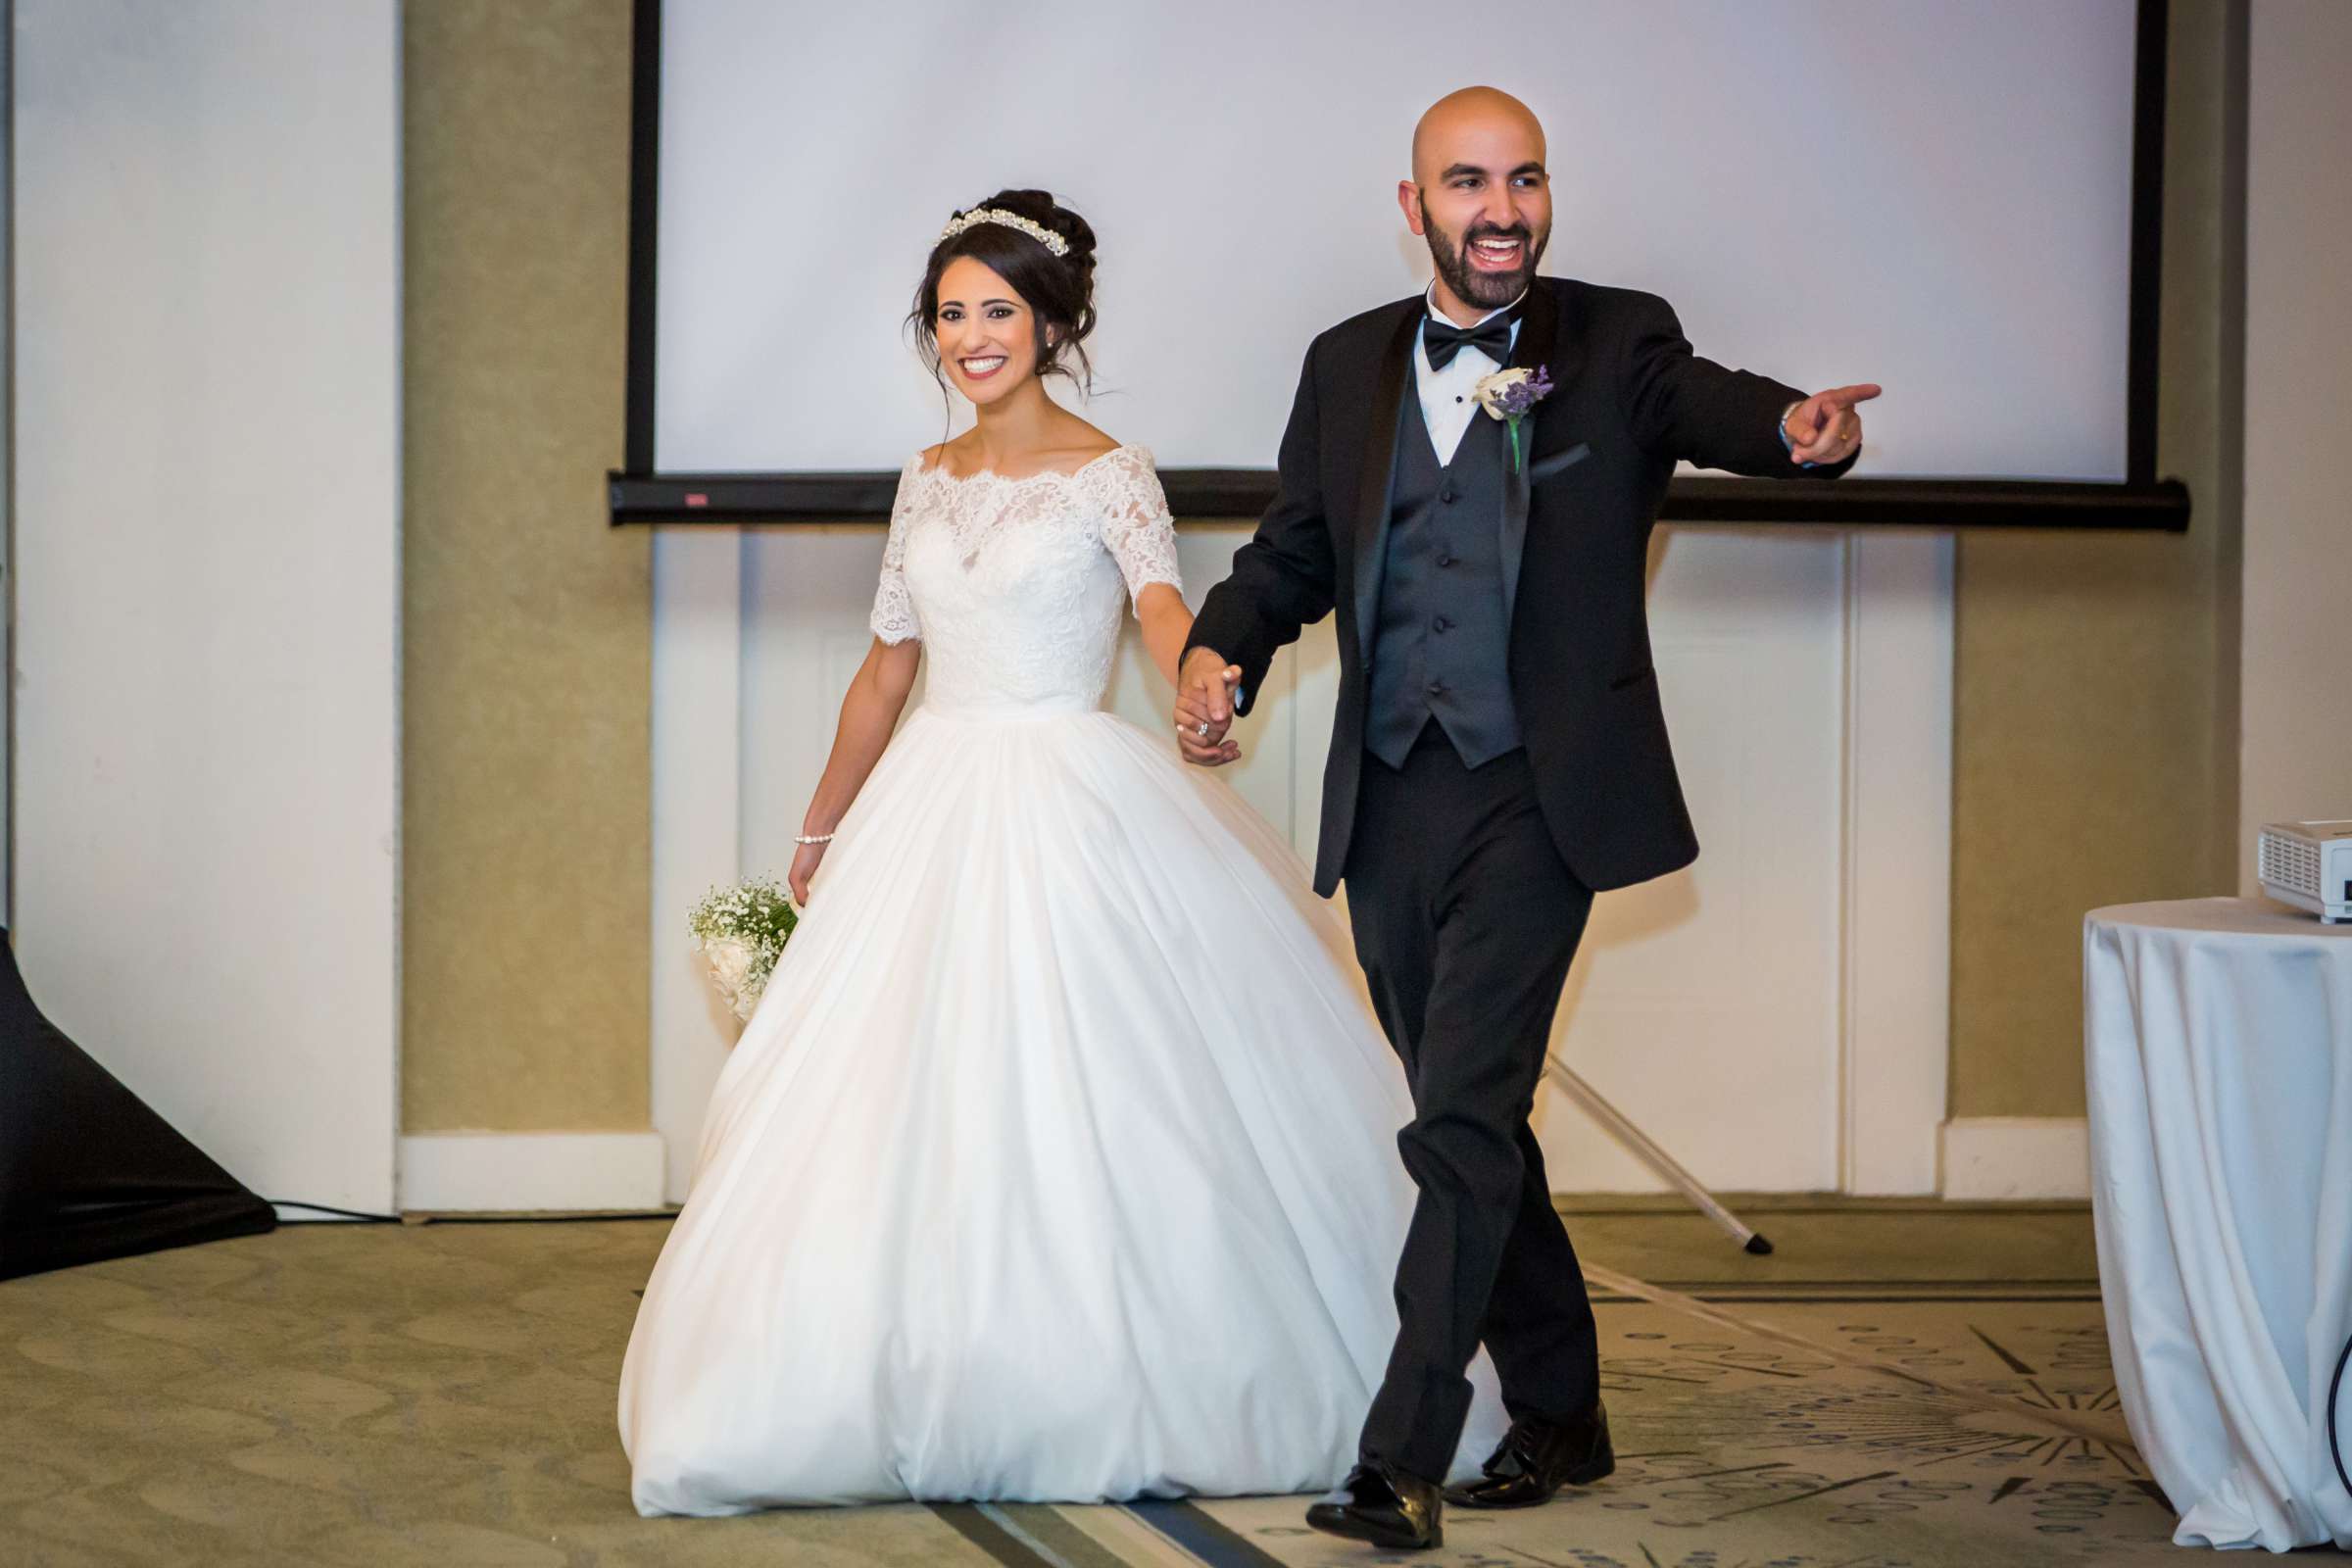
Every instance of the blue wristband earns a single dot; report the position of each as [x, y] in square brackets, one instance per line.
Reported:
[1788, 444]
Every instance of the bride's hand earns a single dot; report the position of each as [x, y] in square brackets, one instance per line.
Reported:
[804, 867]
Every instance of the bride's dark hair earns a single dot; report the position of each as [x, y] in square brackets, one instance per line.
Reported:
[1058, 289]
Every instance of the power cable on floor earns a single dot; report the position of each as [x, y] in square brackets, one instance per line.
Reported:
[329, 1209]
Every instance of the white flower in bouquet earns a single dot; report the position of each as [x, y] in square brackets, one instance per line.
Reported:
[732, 959]
[742, 931]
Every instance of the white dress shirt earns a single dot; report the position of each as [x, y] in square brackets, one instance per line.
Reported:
[1446, 406]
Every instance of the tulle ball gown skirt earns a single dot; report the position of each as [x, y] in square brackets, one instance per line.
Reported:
[1058, 1163]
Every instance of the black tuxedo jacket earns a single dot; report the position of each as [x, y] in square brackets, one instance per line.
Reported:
[1629, 400]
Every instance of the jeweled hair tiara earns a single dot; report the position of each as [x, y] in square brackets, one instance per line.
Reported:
[997, 215]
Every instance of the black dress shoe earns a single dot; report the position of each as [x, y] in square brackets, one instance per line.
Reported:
[1381, 1505]
[1539, 1457]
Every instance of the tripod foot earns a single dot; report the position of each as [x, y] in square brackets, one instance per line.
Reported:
[1758, 1246]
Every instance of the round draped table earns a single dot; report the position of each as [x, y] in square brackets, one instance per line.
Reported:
[2218, 1042]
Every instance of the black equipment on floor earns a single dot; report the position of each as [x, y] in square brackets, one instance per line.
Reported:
[87, 1172]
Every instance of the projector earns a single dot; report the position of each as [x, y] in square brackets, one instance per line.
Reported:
[2308, 864]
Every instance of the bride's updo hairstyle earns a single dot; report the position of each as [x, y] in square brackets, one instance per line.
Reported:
[1060, 290]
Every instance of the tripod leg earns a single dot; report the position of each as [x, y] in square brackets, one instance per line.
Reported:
[1638, 1143]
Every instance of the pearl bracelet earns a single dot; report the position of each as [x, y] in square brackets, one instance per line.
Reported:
[812, 838]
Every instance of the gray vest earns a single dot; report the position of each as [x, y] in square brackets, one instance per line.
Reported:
[1441, 642]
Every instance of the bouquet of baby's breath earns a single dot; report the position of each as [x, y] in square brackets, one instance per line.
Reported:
[742, 931]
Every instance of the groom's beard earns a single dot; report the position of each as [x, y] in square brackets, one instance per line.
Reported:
[1488, 291]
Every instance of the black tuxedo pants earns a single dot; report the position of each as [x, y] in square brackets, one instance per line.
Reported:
[1466, 920]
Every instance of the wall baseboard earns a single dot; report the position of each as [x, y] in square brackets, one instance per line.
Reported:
[2016, 1156]
[476, 1172]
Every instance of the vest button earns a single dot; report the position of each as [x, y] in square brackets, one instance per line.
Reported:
[1447, 495]
[1445, 560]
[1437, 688]
[1443, 624]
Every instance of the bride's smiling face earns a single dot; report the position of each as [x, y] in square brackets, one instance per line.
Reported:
[987, 333]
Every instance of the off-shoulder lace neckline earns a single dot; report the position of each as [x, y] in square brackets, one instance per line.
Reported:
[939, 469]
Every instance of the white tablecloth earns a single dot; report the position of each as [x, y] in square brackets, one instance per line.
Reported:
[2218, 1038]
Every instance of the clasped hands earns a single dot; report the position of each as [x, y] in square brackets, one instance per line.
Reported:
[1204, 688]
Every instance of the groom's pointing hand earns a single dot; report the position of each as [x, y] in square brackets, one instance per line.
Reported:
[1827, 427]
[1205, 686]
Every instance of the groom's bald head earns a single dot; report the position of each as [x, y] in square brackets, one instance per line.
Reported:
[1468, 121]
[1480, 196]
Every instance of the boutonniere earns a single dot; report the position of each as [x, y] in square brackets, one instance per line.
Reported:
[1508, 396]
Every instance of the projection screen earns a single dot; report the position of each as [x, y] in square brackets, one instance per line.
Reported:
[1940, 198]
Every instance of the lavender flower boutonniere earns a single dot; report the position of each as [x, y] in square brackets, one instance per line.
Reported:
[1510, 396]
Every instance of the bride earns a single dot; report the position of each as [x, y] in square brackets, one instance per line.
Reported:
[1056, 1163]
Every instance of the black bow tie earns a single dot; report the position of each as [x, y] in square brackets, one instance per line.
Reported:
[1443, 340]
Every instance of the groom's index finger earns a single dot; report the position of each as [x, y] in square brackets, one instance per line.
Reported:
[1846, 397]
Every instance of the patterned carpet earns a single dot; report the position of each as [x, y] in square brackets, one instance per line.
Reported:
[442, 1393]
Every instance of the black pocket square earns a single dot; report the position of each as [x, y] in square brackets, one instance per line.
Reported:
[1544, 468]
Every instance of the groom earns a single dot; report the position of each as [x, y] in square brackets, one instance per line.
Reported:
[1499, 750]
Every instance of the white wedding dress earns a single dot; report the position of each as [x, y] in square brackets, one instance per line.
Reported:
[1058, 1163]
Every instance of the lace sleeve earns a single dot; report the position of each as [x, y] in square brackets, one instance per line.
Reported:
[1137, 527]
[893, 619]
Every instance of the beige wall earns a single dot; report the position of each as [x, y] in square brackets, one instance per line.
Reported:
[527, 668]
[2096, 681]
[2297, 745]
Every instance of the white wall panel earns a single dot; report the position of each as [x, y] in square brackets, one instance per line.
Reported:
[1741, 1011]
[2295, 759]
[207, 491]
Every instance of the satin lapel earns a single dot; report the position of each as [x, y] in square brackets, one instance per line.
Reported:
[1376, 479]
[1537, 345]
